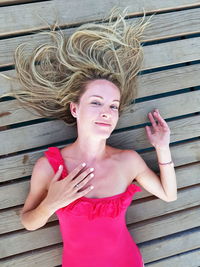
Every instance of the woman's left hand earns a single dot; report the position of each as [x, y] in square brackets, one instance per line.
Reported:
[159, 133]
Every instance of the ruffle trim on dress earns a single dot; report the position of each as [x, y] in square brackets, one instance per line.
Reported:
[102, 207]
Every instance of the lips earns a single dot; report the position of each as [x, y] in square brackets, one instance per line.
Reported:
[103, 123]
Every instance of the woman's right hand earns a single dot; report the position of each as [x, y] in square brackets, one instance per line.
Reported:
[62, 193]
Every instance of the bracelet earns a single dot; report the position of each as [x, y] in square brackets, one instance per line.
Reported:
[166, 163]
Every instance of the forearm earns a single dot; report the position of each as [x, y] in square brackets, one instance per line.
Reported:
[36, 218]
[167, 173]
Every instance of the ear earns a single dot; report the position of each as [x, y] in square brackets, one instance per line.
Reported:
[73, 109]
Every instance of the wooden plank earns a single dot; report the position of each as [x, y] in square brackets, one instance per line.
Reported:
[190, 258]
[188, 154]
[15, 243]
[21, 165]
[163, 28]
[18, 166]
[173, 52]
[34, 15]
[10, 220]
[163, 81]
[172, 245]
[14, 2]
[19, 242]
[168, 80]
[51, 257]
[45, 257]
[182, 25]
[179, 131]
[144, 209]
[57, 130]
[164, 225]
[12, 113]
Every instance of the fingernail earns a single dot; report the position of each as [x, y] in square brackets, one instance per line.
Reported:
[91, 169]
[84, 164]
[91, 186]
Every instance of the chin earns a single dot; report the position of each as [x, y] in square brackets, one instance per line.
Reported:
[103, 133]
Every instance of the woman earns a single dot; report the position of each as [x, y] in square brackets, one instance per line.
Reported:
[88, 80]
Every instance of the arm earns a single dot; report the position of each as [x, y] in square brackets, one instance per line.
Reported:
[167, 173]
[159, 137]
[149, 180]
[34, 214]
[35, 218]
[165, 186]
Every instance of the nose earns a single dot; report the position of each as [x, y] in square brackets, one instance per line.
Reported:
[105, 113]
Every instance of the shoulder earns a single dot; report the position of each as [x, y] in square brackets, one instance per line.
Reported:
[42, 164]
[134, 163]
[129, 155]
[123, 155]
[42, 171]
[133, 157]
[39, 183]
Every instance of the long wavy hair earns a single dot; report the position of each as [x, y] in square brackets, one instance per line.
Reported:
[57, 73]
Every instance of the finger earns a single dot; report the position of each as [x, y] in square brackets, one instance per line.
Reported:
[58, 173]
[85, 191]
[76, 171]
[148, 129]
[83, 182]
[152, 119]
[82, 176]
[160, 119]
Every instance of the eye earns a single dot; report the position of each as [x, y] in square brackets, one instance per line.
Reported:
[115, 107]
[95, 103]
[98, 103]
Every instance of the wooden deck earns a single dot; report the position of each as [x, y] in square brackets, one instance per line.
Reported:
[167, 234]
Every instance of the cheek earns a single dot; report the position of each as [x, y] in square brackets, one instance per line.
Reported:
[87, 112]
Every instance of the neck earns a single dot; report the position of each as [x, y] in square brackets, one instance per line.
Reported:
[90, 150]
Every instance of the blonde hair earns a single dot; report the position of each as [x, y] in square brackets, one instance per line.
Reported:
[57, 73]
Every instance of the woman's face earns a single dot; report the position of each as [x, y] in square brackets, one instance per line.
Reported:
[99, 104]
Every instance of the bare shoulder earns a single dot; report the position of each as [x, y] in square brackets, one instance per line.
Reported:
[40, 179]
[132, 157]
[129, 154]
[42, 174]
[123, 155]
[133, 162]
[43, 165]
[113, 150]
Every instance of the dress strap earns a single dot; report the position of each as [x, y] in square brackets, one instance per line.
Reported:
[54, 157]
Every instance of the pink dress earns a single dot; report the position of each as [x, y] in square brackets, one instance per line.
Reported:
[94, 230]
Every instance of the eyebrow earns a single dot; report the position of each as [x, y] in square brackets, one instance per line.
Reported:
[102, 97]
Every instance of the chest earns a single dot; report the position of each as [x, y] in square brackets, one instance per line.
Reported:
[110, 178]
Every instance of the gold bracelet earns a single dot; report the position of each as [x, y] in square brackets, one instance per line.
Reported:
[166, 163]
